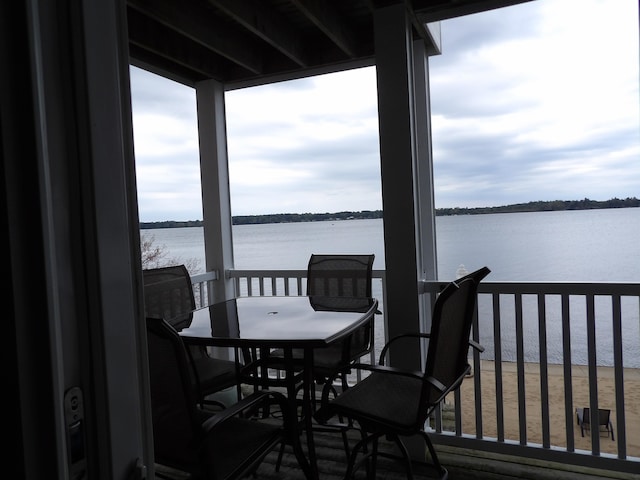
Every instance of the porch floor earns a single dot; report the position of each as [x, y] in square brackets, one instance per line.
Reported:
[332, 466]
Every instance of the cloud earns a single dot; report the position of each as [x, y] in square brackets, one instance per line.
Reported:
[533, 102]
[539, 108]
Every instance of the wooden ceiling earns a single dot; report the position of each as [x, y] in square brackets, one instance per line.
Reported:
[251, 42]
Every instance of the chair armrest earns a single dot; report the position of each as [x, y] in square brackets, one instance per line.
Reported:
[383, 353]
[321, 415]
[476, 345]
[246, 403]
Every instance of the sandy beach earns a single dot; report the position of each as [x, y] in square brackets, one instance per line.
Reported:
[580, 391]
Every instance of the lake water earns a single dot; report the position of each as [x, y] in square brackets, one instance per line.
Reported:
[584, 245]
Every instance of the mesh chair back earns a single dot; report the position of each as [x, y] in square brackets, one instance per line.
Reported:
[168, 294]
[453, 313]
[343, 275]
[340, 275]
[173, 400]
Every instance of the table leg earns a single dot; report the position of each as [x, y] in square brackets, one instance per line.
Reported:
[307, 409]
[309, 466]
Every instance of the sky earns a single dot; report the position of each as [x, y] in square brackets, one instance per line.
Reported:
[533, 102]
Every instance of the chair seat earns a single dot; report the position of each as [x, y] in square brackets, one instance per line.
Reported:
[237, 442]
[239, 439]
[397, 408]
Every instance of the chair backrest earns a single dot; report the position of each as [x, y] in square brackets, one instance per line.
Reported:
[173, 400]
[340, 275]
[168, 294]
[453, 313]
[604, 416]
[344, 275]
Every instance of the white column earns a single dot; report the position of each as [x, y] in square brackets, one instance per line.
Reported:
[214, 171]
[394, 67]
[425, 204]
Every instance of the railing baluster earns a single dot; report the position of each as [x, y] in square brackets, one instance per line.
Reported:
[568, 388]
[544, 371]
[621, 431]
[477, 384]
[457, 399]
[522, 404]
[593, 375]
[497, 365]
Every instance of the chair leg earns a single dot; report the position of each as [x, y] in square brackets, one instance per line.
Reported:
[444, 474]
[405, 455]
[352, 466]
[345, 442]
[280, 454]
[374, 459]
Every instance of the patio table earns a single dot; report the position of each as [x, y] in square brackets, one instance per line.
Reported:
[288, 323]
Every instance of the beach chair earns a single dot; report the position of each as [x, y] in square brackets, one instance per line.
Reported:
[393, 403]
[583, 417]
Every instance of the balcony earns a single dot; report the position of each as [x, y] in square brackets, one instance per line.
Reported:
[550, 348]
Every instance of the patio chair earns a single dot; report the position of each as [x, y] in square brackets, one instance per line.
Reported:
[583, 417]
[168, 294]
[392, 402]
[339, 275]
[204, 444]
[330, 276]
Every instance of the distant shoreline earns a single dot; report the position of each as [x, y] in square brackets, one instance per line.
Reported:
[539, 206]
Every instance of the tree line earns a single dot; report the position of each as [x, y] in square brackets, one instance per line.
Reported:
[538, 206]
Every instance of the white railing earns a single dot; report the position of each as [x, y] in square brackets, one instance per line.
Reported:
[549, 348]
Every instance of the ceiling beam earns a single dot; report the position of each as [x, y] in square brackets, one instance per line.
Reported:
[329, 21]
[153, 41]
[267, 24]
[201, 26]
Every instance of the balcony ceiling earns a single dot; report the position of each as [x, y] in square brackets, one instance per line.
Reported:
[252, 42]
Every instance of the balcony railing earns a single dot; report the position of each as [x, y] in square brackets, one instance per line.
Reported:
[550, 348]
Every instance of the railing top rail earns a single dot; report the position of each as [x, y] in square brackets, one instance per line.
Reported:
[549, 288]
[204, 277]
[298, 273]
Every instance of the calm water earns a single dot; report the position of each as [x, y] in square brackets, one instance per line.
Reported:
[585, 245]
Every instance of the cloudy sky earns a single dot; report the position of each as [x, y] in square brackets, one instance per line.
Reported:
[534, 102]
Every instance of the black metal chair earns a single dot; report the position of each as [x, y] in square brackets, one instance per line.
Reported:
[339, 275]
[168, 294]
[204, 444]
[392, 402]
[329, 278]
